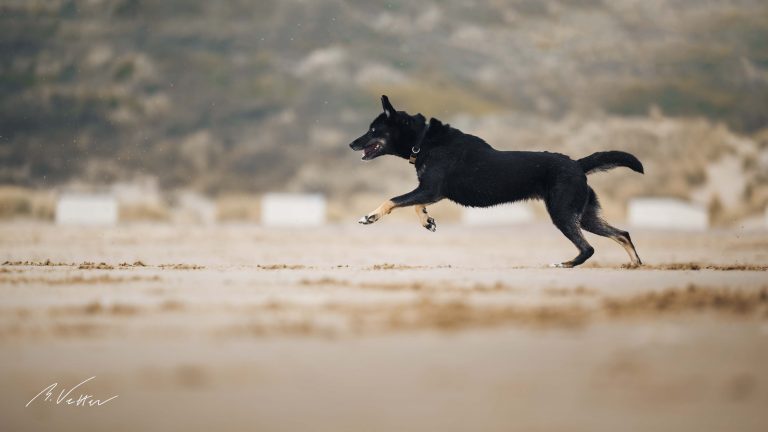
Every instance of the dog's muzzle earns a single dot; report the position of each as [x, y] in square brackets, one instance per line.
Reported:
[371, 149]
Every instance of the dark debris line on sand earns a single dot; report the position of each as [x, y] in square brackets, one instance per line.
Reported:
[389, 266]
[181, 266]
[719, 267]
[103, 278]
[692, 298]
[429, 312]
[281, 266]
[37, 263]
[683, 266]
[89, 265]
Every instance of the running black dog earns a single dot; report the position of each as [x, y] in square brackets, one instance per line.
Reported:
[465, 169]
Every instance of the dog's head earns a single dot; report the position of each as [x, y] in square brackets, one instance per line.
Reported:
[392, 132]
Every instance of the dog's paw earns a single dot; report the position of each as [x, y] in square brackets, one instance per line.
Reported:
[560, 265]
[368, 219]
[431, 224]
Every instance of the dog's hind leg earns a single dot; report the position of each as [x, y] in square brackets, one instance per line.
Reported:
[426, 221]
[592, 222]
[565, 209]
[570, 229]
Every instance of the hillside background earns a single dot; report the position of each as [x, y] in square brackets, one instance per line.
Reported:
[242, 97]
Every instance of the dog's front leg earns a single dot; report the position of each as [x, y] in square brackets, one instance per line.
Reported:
[420, 196]
[384, 209]
[426, 221]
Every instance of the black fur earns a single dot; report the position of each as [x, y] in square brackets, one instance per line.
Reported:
[465, 169]
[603, 161]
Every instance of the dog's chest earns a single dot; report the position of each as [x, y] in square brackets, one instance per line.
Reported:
[420, 170]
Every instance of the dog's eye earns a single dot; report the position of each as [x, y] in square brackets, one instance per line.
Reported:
[373, 129]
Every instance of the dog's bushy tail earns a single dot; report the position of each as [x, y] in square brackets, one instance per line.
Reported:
[603, 161]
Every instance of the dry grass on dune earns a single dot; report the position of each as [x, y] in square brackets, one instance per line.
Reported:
[23, 202]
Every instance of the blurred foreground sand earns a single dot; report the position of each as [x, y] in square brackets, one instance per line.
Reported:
[380, 328]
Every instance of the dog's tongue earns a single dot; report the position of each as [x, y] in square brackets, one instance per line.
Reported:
[368, 151]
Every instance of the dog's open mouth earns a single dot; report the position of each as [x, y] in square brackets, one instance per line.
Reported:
[373, 149]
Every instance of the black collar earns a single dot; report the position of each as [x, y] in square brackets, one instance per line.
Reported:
[417, 146]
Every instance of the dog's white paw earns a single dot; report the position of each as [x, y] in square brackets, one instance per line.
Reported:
[367, 219]
[431, 224]
[556, 265]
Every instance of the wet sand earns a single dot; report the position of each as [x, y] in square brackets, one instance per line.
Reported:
[385, 327]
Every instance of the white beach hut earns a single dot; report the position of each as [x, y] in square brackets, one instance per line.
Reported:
[86, 209]
[667, 213]
[293, 210]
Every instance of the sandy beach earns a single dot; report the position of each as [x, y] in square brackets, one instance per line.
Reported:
[379, 328]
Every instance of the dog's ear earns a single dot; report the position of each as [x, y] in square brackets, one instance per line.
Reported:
[389, 110]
